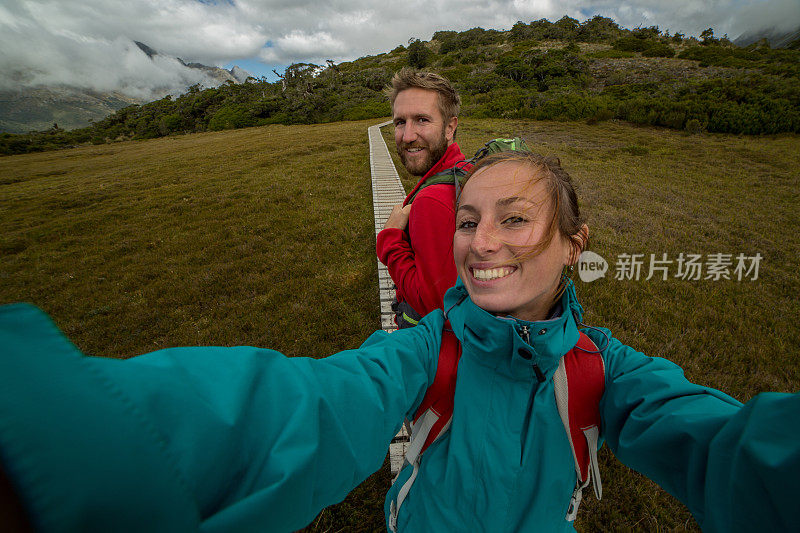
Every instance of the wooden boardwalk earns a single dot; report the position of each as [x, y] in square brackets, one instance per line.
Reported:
[387, 191]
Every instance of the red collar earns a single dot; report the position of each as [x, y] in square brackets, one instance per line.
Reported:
[451, 156]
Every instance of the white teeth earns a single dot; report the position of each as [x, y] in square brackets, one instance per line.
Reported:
[414, 150]
[491, 273]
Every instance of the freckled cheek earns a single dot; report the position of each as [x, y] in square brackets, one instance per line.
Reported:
[524, 243]
[521, 251]
[460, 249]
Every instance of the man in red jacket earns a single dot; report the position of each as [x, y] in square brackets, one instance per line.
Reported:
[416, 243]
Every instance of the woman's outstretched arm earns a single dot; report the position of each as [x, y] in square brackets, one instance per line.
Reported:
[735, 467]
[219, 439]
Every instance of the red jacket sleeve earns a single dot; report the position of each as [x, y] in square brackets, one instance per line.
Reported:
[422, 267]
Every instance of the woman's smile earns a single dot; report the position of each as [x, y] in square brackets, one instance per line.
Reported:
[490, 274]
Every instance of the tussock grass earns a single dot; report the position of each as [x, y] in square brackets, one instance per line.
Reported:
[263, 236]
[232, 238]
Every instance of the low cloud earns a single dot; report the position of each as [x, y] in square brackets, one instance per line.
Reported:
[91, 44]
[299, 46]
[100, 65]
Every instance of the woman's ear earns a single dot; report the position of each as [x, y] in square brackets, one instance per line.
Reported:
[578, 244]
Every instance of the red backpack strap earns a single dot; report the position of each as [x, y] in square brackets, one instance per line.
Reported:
[579, 382]
[440, 395]
[433, 416]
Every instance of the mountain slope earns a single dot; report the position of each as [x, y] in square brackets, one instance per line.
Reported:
[38, 109]
[776, 38]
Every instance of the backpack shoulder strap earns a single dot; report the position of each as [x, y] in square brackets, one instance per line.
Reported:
[440, 395]
[579, 382]
[433, 417]
[451, 176]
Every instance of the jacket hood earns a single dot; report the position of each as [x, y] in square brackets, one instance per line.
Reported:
[510, 345]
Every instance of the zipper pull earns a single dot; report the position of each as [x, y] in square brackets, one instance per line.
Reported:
[525, 333]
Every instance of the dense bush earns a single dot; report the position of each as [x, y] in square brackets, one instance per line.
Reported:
[645, 40]
[372, 109]
[748, 104]
[596, 29]
[231, 116]
[418, 54]
[631, 44]
[543, 69]
[451, 41]
[779, 62]
[658, 50]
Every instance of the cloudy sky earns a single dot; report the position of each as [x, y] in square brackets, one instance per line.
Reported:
[90, 43]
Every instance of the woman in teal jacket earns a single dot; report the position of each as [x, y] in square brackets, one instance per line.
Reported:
[240, 439]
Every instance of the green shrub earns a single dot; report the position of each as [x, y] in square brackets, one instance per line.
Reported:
[611, 54]
[601, 115]
[598, 29]
[169, 123]
[418, 54]
[484, 83]
[631, 44]
[573, 106]
[659, 50]
[231, 116]
[370, 109]
[693, 126]
[447, 61]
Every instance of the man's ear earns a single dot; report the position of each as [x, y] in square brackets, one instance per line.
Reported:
[450, 129]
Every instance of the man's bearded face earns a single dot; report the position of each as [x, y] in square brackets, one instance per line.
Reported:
[420, 131]
[430, 151]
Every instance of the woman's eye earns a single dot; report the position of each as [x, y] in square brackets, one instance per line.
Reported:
[514, 220]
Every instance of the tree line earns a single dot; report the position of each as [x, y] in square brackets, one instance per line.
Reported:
[537, 70]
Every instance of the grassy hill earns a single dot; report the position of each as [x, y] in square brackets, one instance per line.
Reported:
[566, 70]
[264, 236]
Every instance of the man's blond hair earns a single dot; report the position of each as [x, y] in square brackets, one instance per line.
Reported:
[409, 78]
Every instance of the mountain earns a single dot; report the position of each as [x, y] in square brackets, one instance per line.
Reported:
[776, 38]
[38, 108]
[220, 75]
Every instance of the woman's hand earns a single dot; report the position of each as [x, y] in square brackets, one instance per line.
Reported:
[398, 218]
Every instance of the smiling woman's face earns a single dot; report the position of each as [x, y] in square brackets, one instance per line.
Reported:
[502, 214]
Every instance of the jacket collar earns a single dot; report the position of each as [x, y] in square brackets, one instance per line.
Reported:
[451, 156]
[500, 342]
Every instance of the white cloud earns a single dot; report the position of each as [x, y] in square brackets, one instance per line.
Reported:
[301, 46]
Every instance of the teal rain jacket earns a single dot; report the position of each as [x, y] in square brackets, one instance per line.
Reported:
[245, 439]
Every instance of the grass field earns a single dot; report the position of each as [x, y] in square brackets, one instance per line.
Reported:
[264, 237]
